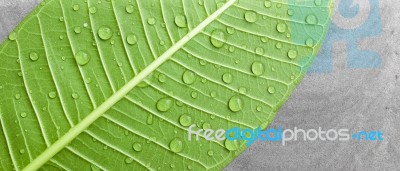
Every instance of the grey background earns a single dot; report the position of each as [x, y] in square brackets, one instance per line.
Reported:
[357, 99]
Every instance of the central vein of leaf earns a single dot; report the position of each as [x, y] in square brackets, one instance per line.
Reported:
[110, 102]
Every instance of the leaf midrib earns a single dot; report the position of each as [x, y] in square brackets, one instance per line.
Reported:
[121, 93]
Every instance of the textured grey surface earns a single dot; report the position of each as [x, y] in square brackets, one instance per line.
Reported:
[356, 99]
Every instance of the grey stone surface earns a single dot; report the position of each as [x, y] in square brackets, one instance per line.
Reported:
[356, 99]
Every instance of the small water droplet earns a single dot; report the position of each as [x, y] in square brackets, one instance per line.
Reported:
[235, 104]
[137, 147]
[23, 115]
[257, 68]
[105, 33]
[292, 54]
[129, 9]
[33, 56]
[151, 21]
[22, 151]
[189, 77]
[75, 7]
[227, 78]
[281, 27]
[210, 153]
[260, 51]
[82, 58]
[185, 120]
[318, 2]
[194, 95]
[164, 104]
[92, 10]
[180, 21]
[52, 95]
[131, 39]
[311, 19]
[259, 108]
[17, 96]
[12, 36]
[242, 90]
[128, 160]
[267, 4]
[271, 90]
[162, 78]
[290, 12]
[250, 16]
[75, 96]
[218, 38]
[230, 30]
[213, 94]
[176, 145]
[310, 42]
[278, 45]
[77, 30]
[231, 145]
[149, 120]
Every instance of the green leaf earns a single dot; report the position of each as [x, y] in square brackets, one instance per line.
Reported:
[115, 84]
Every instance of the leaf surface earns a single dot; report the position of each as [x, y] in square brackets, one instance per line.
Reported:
[115, 84]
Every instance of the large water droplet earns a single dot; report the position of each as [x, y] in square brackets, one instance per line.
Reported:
[189, 77]
[33, 56]
[235, 104]
[180, 21]
[257, 68]
[105, 33]
[176, 145]
[185, 120]
[131, 39]
[218, 38]
[137, 147]
[227, 78]
[250, 16]
[82, 58]
[164, 104]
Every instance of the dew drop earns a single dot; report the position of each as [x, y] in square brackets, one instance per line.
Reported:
[17, 96]
[218, 38]
[105, 33]
[290, 12]
[257, 68]
[151, 21]
[278, 45]
[260, 51]
[242, 90]
[230, 30]
[185, 120]
[12, 36]
[128, 160]
[281, 27]
[52, 95]
[149, 120]
[33, 56]
[310, 42]
[213, 94]
[77, 30]
[162, 78]
[250, 16]
[189, 77]
[129, 9]
[231, 145]
[82, 58]
[271, 90]
[176, 145]
[311, 19]
[267, 4]
[75, 96]
[292, 54]
[318, 2]
[227, 78]
[75, 7]
[131, 39]
[92, 10]
[23, 115]
[180, 21]
[21, 151]
[137, 147]
[235, 104]
[164, 104]
[194, 95]
[210, 153]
